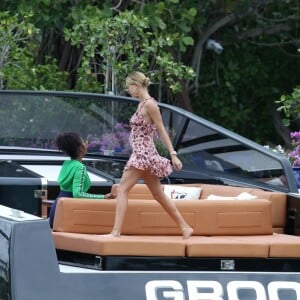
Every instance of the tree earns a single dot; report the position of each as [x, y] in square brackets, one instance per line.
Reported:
[113, 46]
[239, 87]
[15, 32]
[18, 65]
[290, 105]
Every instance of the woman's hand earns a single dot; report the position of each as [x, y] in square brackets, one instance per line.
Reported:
[176, 162]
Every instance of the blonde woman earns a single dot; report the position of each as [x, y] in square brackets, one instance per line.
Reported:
[145, 162]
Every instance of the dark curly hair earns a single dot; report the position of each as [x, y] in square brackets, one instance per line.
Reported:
[69, 143]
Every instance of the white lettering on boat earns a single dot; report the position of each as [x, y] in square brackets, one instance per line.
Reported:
[213, 290]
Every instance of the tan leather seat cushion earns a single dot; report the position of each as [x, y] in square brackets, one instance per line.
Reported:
[279, 206]
[213, 246]
[124, 245]
[147, 217]
[229, 228]
[278, 200]
[280, 245]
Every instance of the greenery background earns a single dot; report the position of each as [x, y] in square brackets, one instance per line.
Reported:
[85, 45]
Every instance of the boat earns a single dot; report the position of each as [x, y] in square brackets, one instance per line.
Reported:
[35, 266]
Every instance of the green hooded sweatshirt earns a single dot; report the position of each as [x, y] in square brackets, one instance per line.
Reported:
[73, 177]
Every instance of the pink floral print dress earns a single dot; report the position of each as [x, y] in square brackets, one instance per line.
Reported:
[144, 154]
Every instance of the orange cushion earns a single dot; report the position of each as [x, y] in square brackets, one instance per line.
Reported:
[213, 246]
[123, 245]
[147, 217]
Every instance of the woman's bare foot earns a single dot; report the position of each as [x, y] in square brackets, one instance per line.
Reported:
[186, 233]
[114, 233]
[109, 235]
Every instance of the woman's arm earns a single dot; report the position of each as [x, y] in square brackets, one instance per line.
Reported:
[152, 110]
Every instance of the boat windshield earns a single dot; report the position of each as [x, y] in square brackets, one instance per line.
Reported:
[32, 120]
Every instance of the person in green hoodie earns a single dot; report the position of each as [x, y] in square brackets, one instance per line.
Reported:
[73, 178]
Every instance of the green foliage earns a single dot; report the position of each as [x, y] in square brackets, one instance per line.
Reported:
[19, 69]
[87, 81]
[182, 17]
[123, 43]
[26, 75]
[15, 32]
[259, 63]
[245, 89]
[290, 105]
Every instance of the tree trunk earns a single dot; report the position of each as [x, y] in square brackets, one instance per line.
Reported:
[183, 99]
[282, 130]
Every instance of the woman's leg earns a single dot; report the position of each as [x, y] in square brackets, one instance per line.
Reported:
[169, 206]
[128, 180]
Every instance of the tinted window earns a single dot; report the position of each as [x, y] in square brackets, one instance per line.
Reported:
[203, 147]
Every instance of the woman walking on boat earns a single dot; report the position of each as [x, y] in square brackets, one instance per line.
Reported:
[145, 162]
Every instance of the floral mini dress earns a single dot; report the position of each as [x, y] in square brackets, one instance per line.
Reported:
[144, 154]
